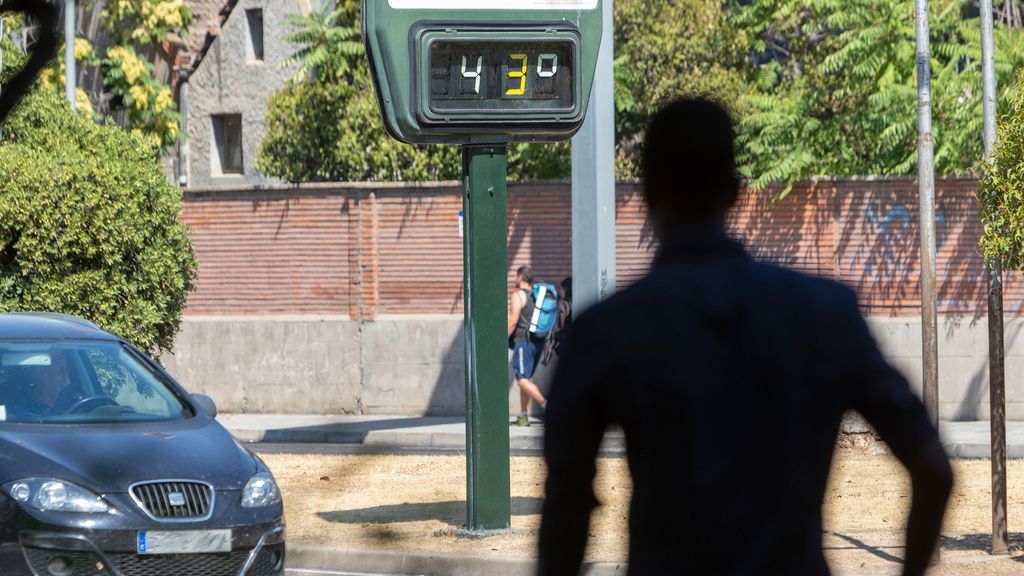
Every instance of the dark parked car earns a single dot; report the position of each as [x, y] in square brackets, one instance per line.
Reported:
[108, 467]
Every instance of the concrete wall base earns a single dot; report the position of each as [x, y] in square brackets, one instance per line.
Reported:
[413, 365]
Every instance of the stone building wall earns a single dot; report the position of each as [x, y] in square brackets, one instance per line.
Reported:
[229, 80]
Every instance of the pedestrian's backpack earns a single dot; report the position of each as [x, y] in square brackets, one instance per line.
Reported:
[545, 309]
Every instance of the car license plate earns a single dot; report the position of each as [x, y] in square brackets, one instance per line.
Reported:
[184, 541]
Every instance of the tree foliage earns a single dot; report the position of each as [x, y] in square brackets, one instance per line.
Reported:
[1001, 194]
[324, 124]
[89, 224]
[817, 87]
[144, 21]
[664, 50]
[129, 91]
[146, 103]
[833, 87]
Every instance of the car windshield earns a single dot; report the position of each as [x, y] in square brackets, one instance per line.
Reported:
[61, 382]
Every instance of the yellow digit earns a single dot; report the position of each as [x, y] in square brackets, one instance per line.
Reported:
[521, 74]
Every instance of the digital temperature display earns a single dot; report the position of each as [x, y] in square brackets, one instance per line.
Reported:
[474, 76]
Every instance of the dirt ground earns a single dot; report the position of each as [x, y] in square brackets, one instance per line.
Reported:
[417, 503]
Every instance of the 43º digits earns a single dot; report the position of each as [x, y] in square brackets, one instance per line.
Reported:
[518, 73]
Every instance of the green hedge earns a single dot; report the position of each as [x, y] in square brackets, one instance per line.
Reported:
[89, 225]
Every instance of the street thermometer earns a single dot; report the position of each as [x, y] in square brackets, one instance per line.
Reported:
[482, 74]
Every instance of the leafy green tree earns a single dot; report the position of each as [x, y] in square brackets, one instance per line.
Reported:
[129, 92]
[89, 224]
[1001, 194]
[143, 21]
[324, 125]
[664, 50]
[833, 87]
[329, 41]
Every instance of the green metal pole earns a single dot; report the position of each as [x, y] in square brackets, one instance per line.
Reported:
[488, 483]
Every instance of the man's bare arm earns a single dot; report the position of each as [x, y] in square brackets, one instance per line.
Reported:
[517, 309]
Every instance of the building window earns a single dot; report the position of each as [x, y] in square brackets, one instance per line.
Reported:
[227, 138]
[255, 18]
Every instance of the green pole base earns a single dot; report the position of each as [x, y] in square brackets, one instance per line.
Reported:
[484, 200]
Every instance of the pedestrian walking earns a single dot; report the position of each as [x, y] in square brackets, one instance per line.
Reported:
[729, 379]
[527, 343]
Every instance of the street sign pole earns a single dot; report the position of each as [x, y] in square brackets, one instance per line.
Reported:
[593, 184]
[482, 74]
[485, 253]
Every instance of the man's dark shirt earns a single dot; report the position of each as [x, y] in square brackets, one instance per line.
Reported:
[729, 379]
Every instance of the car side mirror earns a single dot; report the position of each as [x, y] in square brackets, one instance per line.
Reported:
[206, 404]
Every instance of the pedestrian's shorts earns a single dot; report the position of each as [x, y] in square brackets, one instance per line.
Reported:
[524, 358]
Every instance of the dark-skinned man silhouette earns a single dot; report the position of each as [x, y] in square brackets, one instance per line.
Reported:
[729, 378]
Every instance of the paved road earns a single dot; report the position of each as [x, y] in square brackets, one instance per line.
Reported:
[303, 572]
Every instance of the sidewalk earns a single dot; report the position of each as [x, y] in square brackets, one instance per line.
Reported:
[962, 439]
[403, 431]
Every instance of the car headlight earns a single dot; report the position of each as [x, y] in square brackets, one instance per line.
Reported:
[261, 490]
[51, 495]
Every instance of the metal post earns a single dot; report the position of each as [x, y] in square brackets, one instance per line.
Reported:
[593, 184]
[486, 277]
[69, 52]
[926, 189]
[996, 347]
[183, 145]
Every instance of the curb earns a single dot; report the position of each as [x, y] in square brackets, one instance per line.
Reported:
[612, 444]
[304, 557]
[982, 451]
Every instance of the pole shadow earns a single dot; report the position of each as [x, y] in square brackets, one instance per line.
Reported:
[452, 512]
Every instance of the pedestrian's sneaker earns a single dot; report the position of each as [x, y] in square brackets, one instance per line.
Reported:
[523, 420]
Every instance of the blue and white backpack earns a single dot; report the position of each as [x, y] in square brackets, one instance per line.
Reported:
[545, 310]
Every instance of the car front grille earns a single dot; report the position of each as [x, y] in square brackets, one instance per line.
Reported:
[177, 500]
[269, 562]
[180, 564]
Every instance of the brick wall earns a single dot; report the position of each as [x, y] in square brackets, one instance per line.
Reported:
[366, 250]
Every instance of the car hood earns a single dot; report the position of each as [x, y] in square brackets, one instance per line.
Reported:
[109, 458]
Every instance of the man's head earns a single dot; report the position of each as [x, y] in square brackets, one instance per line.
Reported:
[49, 381]
[689, 165]
[524, 277]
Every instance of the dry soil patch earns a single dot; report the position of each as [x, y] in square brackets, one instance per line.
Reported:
[417, 503]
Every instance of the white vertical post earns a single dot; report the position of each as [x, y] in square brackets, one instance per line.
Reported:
[69, 52]
[926, 190]
[184, 150]
[593, 184]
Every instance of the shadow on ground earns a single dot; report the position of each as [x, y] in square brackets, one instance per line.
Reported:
[960, 543]
[353, 432]
[878, 551]
[981, 542]
[452, 512]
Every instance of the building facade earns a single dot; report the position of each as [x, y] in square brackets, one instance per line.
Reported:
[225, 88]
